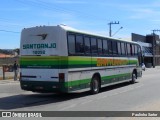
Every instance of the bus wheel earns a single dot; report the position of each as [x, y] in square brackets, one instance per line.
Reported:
[95, 85]
[133, 78]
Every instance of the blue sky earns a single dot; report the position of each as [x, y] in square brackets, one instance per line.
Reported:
[135, 16]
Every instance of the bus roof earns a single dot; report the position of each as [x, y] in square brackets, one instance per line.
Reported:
[70, 29]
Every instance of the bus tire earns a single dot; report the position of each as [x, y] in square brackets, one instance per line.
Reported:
[133, 77]
[95, 85]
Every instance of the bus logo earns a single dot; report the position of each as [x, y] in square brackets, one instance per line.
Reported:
[43, 36]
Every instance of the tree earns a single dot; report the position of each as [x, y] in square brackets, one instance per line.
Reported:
[17, 50]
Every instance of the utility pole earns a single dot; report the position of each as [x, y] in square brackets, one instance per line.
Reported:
[155, 30]
[110, 27]
[117, 31]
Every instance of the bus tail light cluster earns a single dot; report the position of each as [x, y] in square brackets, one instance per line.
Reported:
[61, 77]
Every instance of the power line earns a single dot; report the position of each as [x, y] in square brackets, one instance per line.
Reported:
[51, 7]
[67, 10]
[9, 31]
[46, 5]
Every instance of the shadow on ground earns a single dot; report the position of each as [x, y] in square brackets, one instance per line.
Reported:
[36, 99]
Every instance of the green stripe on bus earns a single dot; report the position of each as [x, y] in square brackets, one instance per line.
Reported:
[77, 82]
[63, 62]
[115, 76]
[71, 85]
[87, 81]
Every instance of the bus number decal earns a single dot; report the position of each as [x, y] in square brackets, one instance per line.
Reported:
[39, 52]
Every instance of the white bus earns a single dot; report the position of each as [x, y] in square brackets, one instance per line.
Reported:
[63, 59]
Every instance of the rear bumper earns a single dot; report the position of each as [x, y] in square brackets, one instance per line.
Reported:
[43, 86]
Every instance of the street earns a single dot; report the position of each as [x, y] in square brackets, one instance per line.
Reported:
[141, 96]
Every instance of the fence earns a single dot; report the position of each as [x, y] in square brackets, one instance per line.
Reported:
[8, 61]
[7, 67]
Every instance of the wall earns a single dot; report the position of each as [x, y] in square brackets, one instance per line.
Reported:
[8, 60]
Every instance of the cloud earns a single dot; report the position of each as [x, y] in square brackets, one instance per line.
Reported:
[144, 10]
[57, 15]
[136, 10]
[155, 20]
[143, 13]
[59, 18]
[156, 3]
[15, 9]
[65, 1]
[70, 2]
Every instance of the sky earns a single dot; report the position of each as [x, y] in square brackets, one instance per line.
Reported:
[135, 16]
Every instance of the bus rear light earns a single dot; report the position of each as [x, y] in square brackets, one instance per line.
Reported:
[61, 77]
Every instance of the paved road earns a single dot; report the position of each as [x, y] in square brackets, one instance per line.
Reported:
[144, 95]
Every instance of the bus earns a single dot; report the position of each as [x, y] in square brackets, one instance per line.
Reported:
[63, 59]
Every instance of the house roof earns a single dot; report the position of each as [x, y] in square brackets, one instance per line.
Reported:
[4, 55]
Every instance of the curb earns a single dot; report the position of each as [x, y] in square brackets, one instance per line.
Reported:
[9, 81]
[7, 78]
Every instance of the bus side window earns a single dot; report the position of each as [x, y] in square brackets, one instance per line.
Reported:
[128, 49]
[123, 49]
[87, 45]
[133, 52]
[136, 51]
[79, 45]
[94, 46]
[139, 51]
[114, 47]
[99, 46]
[110, 47]
[139, 55]
[119, 48]
[71, 44]
[105, 47]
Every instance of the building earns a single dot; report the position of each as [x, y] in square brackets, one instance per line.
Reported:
[5, 55]
[150, 45]
[7, 59]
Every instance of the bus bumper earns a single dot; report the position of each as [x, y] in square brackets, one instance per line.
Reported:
[43, 86]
